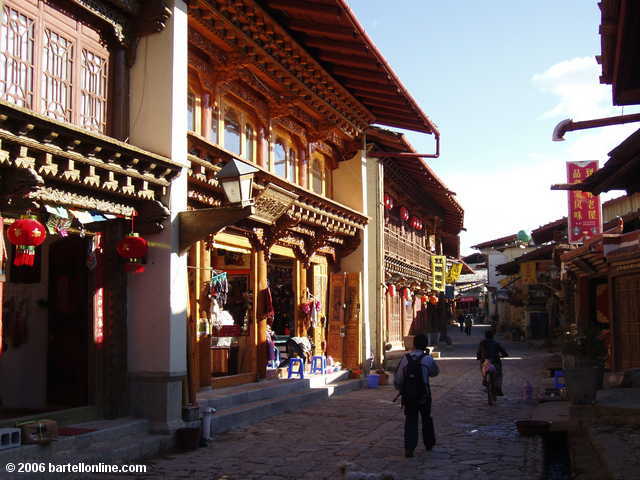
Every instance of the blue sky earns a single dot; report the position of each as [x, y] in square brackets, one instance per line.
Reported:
[496, 77]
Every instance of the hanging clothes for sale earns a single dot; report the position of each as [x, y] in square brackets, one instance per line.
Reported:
[219, 287]
[268, 311]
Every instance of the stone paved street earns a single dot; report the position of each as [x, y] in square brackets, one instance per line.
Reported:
[474, 441]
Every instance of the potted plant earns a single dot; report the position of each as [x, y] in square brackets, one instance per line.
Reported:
[583, 355]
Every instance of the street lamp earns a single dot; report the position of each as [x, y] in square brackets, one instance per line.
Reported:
[236, 178]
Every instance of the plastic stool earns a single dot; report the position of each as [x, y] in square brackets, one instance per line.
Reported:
[556, 379]
[299, 363]
[318, 364]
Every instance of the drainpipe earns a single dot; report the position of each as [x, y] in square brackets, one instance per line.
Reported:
[569, 125]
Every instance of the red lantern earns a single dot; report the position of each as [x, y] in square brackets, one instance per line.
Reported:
[404, 213]
[134, 248]
[424, 299]
[392, 290]
[416, 223]
[389, 202]
[26, 234]
[433, 299]
[406, 293]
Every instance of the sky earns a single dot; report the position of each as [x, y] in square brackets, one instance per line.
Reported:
[496, 77]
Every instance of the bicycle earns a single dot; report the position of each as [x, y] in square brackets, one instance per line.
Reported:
[490, 374]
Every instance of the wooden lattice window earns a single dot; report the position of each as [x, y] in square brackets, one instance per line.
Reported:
[53, 64]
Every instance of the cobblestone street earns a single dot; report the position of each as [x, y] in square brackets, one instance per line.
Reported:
[364, 428]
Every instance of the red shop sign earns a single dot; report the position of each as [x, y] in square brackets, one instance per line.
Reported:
[585, 213]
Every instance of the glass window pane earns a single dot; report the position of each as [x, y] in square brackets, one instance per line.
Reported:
[291, 166]
[316, 176]
[232, 132]
[249, 139]
[191, 112]
[279, 164]
[17, 40]
[213, 129]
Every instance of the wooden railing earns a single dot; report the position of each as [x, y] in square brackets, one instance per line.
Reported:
[397, 245]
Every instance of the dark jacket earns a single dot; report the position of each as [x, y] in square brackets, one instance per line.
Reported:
[491, 350]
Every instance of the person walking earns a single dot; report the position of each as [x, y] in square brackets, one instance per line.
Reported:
[411, 379]
[461, 322]
[468, 323]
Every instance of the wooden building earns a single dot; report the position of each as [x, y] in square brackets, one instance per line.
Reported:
[291, 88]
[417, 218]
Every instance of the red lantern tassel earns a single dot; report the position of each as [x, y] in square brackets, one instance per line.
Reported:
[133, 265]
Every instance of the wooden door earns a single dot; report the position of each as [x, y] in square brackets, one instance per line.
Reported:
[352, 346]
[336, 327]
[68, 326]
[394, 319]
[319, 289]
[626, 321]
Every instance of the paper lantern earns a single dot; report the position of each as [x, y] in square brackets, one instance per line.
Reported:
[424, 299]
[392, 290]
[26, 234]
[134, 249]
[406, 293]
[404, 213]
[389, 202]
[433, 299]
[416, 223]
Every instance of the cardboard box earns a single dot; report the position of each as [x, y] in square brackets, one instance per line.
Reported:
[39, 431]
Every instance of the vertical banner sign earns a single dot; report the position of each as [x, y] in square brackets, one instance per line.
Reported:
[453, 273]
[98, 295]
[585, 214]
[438, 267]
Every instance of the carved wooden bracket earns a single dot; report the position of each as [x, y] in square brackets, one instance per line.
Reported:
[196, 225]
[311, 246]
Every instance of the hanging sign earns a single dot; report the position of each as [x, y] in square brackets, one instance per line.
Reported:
[98, 294]
[585, 213]
[528, 273]
[453, 273]
[438, 267]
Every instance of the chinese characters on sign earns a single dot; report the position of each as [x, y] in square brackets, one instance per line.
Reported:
[585, 216]
[453, 273]
[438, 267]
[528, 273]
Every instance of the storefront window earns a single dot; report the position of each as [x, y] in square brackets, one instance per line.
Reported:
[280, 160]
[232, 132]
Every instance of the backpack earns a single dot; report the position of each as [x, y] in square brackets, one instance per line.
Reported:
[414, 390]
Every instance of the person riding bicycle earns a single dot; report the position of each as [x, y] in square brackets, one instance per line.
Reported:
[492, 351]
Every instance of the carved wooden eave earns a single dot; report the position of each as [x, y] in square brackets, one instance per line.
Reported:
[80, 168]
[308, 223]
[247, 30]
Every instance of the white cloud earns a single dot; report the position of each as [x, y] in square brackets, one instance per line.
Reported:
[518, 196]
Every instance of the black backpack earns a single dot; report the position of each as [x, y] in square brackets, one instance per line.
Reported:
[414, 391]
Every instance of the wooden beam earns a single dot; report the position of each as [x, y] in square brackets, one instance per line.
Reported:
[331, 45]
[390, 110]
[358, 74]
[323, 29]
[369, 97]
[306, 8]
[371, 87]
[353, 60]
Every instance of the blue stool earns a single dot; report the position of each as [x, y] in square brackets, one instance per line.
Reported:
[299, 363]
[318, 364]
[556, 379]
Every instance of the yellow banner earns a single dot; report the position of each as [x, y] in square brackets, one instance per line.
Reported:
[454, 273]
[528, 273]
[438, 271]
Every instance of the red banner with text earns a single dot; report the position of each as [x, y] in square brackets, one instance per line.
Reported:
[585, 213]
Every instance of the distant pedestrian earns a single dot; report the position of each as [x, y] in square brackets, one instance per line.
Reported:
[468, 323]
[461, 322]
[412, 382]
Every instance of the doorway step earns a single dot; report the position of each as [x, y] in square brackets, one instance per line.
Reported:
[106, 441]
[245, 405]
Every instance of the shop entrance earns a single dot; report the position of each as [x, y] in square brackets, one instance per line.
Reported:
[68, 331]
[280, 277]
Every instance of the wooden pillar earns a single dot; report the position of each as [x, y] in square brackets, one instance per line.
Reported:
[304, 169]
[119, 116]
[262, 354]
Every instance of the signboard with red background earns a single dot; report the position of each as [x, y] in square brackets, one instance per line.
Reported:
[585, 214]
